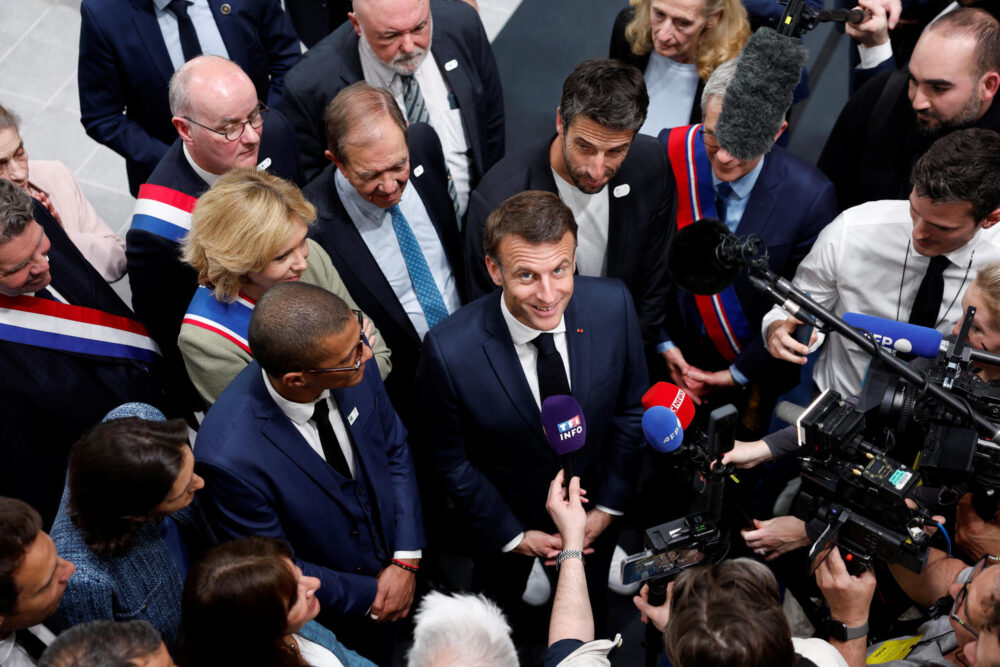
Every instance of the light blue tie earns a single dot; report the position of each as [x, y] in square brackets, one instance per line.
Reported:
[722, 192]
[428, 294]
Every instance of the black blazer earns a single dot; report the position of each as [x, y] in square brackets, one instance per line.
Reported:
[334, 64]
[641, 198]
[335, 231]
[622, 50]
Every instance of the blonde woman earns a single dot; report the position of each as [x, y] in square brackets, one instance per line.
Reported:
[248, 232]
[677, 44]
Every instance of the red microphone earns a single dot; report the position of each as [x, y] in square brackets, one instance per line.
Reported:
[673, 397]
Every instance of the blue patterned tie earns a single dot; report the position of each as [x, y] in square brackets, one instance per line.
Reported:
[416, 112]
[428, 294]
[722, 192]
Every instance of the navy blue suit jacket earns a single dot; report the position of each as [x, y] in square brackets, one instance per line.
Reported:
[263, 478]
[334, 63]
[124, 69]
[363, 277]
[789, 205]
[641, 195]
[483, 427]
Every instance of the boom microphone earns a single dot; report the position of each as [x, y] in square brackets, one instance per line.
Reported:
[564, 427]
[788, 412]
[673, 398]
[662, 429]
[695, 258]
[898, 336]
[841, 15]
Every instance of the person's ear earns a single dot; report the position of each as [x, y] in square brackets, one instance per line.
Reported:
[989, 84]
[559, 124]
[294, 379]
[183, 128]
[781, 130]
[494, 270]
[353, 18]
[991, 219]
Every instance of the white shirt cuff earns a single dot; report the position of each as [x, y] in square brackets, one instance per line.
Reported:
[608, 510]
[510, 546]
[873, 56]
[407, 554]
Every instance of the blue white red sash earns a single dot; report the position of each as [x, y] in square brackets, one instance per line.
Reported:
[721, 313]
[229, 320]
[31, 320]
[163, 211]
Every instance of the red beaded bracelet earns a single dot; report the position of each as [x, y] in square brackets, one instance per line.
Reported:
[408, 568]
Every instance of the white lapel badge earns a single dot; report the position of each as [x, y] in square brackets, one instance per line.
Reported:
[621, 190]
[351, 418]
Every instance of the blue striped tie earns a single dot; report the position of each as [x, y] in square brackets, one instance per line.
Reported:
[416, 112]
[428, 294]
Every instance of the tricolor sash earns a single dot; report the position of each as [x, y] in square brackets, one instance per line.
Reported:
[721, 313]
[229, 320]
[31, 320]
[163, 211]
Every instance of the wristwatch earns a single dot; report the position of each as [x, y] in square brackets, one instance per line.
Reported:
[842, 632]
[568, 553]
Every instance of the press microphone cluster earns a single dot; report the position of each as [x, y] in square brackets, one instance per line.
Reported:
[668, 411]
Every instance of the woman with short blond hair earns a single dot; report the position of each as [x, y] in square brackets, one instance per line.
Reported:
[248, 232]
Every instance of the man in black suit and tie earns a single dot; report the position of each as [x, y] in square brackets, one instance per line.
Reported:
[368, 220]
[452, 84]
[615, 181]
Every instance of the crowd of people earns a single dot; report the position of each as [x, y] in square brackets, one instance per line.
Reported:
[326, 430]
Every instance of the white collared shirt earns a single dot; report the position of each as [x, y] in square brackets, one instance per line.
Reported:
[300, 414]
[375, 226]
[736, 202]
[445, 116]
[206, 176]
[12, 655]
[592, 214]
[527, 354]
[204, 24]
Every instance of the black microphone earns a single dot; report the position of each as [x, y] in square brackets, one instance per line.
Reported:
[697, 258]
[842, 15]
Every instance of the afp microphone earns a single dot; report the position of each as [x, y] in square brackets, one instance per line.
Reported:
[672, 397]
[662, 429]
[564, 427]
[898, 336]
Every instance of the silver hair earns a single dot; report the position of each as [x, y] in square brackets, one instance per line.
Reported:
[9, 119]
[718, 83]
[454, 630]
[15, 211]
[179, 88]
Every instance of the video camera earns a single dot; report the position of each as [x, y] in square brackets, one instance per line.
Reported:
[676, 545]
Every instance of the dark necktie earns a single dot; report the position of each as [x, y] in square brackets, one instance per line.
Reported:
[328, 439]
[722, 192]
[31, 644]
[549, 364]
[930, 293]
[185, 26]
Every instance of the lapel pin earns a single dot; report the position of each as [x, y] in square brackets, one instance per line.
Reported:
[267, 161]
[579, 330]
[418, 170]
[450, 65]
[351, 418]
[226, 8]
[621, 190]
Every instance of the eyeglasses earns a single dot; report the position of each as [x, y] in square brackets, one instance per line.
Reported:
[359, 353]
[963, 594]
[708, 138]
[235, 130]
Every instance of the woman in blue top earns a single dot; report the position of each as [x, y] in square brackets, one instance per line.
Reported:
[128, 524]
[247, 603]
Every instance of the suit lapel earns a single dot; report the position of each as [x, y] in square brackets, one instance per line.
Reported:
[620, 211]
[453, 70]
[499, 350]
[229, 29]
[578, 337]
[148, 29]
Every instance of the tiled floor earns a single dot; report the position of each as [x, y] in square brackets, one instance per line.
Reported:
[38, 56]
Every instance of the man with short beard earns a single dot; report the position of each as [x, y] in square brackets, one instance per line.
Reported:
[949, 84]
[450, 82]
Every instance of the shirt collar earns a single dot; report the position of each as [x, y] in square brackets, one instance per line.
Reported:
[743, 185]
[161, 4]
[380, 75]
[961, 256]
[299, 413]
[350, 196]
[206, 176]
[6, 648]
[521, 333]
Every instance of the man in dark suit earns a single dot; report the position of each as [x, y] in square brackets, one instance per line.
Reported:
[130, 48]
[453, 85]
[485, 371]
[615, 182]
[212, 99]
[58, 375]
[304, 445]
[950, 83]
[375, 157]
[777, 196]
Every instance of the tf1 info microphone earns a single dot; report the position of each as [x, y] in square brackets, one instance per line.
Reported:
[672, 397]
[898, 336]
[564, 427]
[662, 429]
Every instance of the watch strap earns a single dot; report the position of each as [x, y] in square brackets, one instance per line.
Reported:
[843, 632]
[568, 553]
